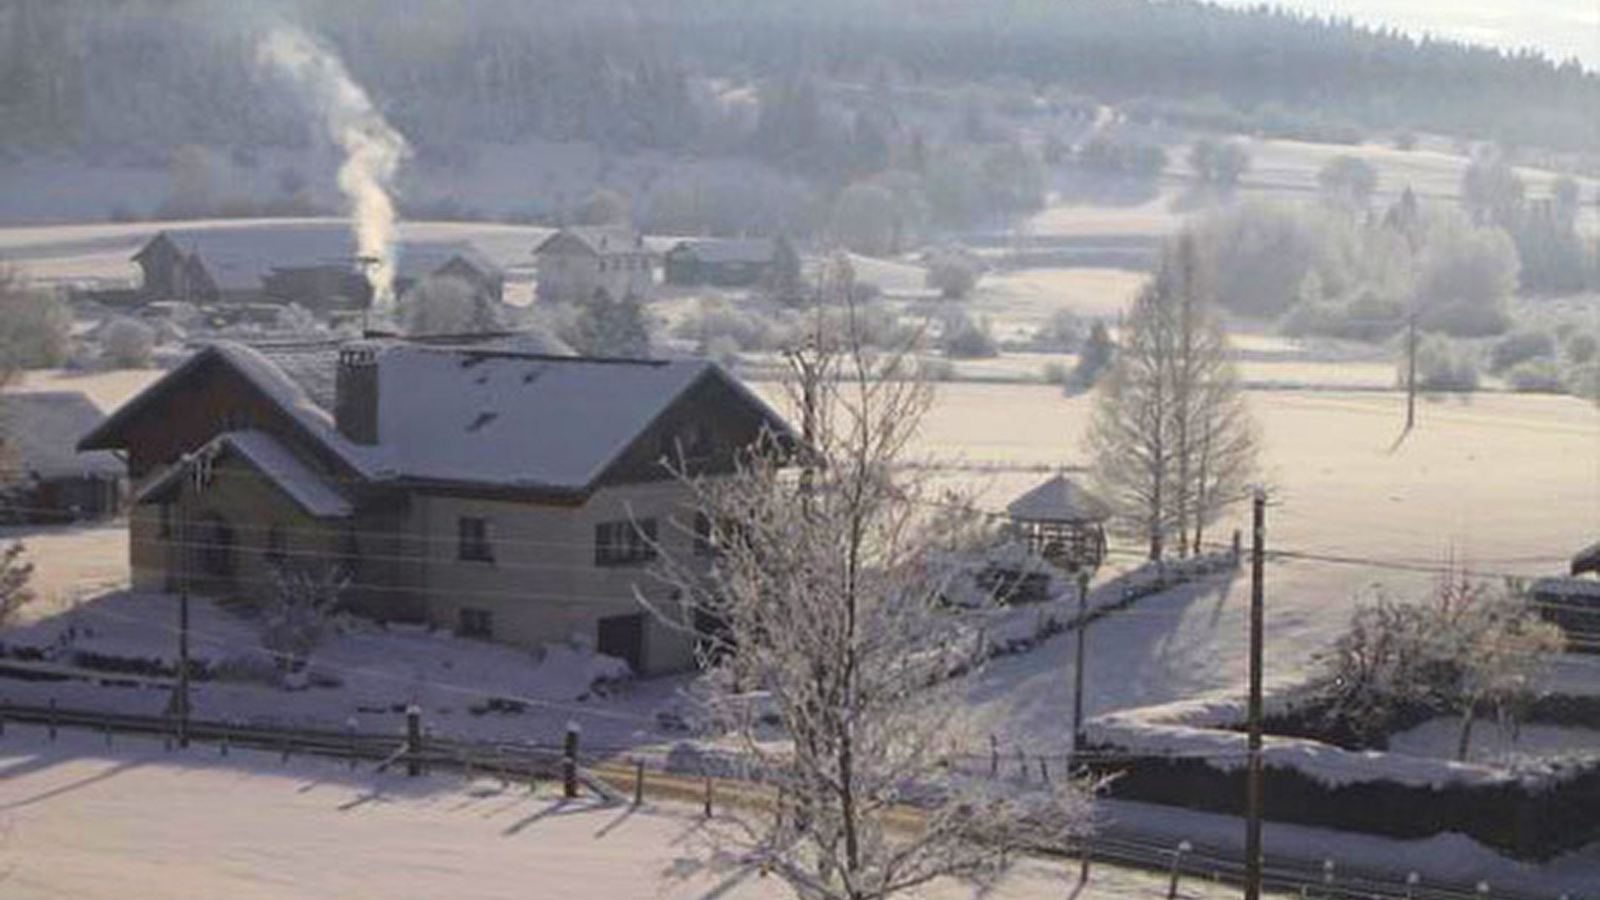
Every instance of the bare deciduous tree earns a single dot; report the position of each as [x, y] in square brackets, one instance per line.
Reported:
[15, 574]
[835, 625]
[1172, 441]
[294, 622]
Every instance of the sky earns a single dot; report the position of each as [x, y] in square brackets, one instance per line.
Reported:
[1560, 28]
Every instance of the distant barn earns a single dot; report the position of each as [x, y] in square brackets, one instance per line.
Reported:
[43, 476]
[312, 265]
[729, 263]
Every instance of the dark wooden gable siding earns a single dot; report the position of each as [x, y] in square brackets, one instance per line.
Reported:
[213, 398]
[730, 423]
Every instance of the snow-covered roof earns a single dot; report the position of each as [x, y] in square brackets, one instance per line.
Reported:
[267, 455]
[599, 240]
[519, 419]
[1059, 500]
[1587, 560]
[740, 250]
[39, 433]
[238, 258]
[467, 414]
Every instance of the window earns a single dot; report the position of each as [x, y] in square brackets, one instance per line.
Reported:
[705, 542]
[624, 543]
[472, 540]
[476, 623]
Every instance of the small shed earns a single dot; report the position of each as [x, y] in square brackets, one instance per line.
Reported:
[43, 476]
[1063, 522]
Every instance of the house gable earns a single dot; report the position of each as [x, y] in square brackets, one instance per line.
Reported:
[704, 429]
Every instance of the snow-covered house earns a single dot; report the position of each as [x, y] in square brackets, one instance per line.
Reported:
[575, 263]
[508, 495]
[43, 475]
[311, 264]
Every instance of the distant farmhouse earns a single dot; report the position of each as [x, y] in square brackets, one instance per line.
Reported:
[576, 263]
[508, 495]
[43, 475]
[731, 263]
[312, 265]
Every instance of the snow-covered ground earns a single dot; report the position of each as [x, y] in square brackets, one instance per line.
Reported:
[78, 820]
[364, 673]
[1438, 738]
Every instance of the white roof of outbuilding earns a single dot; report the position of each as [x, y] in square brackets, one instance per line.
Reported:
[1059, 500]
[39, 434]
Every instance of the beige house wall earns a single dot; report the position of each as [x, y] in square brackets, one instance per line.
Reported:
[544, 585]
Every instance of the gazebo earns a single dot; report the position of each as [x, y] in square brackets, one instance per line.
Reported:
[1064, 523]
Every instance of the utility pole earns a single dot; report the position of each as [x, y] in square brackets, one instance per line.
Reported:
[1077, 678]
[184, 549]
[1411, 371]
[1252, 834]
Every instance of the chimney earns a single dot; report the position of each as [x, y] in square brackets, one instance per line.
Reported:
[355, 404]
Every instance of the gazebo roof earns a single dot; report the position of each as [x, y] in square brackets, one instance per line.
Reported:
[1059, 500]
[1587, 560]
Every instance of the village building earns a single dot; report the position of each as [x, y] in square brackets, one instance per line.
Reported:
[576, 263]
[508, 495]
[312, 265]
[731, 263]
[44, 477]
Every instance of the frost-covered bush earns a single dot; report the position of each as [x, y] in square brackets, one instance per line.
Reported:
[1470, 648]
[1580, 347]
[965, 338]
[128, 344]
[1055, 372]
[610, 327]
[303, 603]
[1536, 376]
[1520, 347]
[1063, 331]
[716, 320]
[35, 325]
[1442, 366]
[953, 271]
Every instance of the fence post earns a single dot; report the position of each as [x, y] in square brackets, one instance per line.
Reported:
[708, 796]
[413, 741]
[569, 763]
[994, 757]
[638, 782]
[1411, 884]
[1088, 856]
[52, 718]
[350, 730]
[1327, 877]
[227, 735]
[2, 726]
[1177, 862]
[1483, 890]
[283, 746]
[1044, 770]
[105, 730]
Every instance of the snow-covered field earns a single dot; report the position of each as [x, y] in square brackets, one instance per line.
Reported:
[78, 820]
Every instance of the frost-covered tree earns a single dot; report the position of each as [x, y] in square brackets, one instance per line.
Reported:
[1093, 358]
[953, 271]
[35, 325]
[1348, 179]
[836, 627]
[1172, 441]
[303, 602]
[15, 574]
[607, 327]
[439, 305]
[128, 344]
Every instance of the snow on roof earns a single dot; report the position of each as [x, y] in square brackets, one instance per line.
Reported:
[40, 433]
[238, 258]
[462, 415]
[743, 250]
[599, 240]
[268, 456]
[1587, 560]
[1059, 500]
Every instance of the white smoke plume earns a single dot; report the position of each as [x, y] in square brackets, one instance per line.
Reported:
[372, 149]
